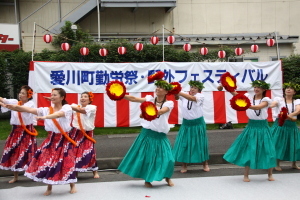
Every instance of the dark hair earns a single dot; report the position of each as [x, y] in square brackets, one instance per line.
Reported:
[86, 92]
[62, 93]
[27, 88]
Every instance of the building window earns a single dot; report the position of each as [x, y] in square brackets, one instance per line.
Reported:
[274, 58]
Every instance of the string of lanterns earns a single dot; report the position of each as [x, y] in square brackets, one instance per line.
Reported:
[154, 40]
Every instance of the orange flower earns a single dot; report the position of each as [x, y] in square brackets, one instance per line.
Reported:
[176, 88]
[228, 82]
[282, 116]
[91, 96]
[240, 102]
[149, 110]
[116, 90]
[29, 93]
[156, 76]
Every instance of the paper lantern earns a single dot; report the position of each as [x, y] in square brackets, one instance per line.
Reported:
[254, 48]
[204, 51]
[154, 40]
[103, 52]
[122, 50]
[47, 38]
[187, 47]
[238, 51]
[65, 46]
[270, 42]
[221, 54]
[139, 46]
[171, 39]
[84, 51]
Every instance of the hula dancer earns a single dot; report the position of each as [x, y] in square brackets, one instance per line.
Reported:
[84, 124]
[191, 144]
[287, 136]
[21, 143]
[150, 156]
[254, 147]
[54, 161]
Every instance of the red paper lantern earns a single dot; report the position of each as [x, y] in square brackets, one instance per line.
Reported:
[270, 42]
[103, 52]
[154, 40]
[204, 51]
[238, 51]
[254, 48]
[187, 47]
[171, 39]
[122, 50]
[65, 46]
[84, 51]
[47, 38]
[139, 46]
[221, 54]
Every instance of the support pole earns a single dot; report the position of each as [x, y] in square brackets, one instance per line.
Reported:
[98, 11]
[33, 41]
[163, 42]
[277, 49]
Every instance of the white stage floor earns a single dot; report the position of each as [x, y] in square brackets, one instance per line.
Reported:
[286, 186]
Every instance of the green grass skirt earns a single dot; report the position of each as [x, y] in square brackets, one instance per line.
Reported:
[191, 144]
[253, 147]
[287, 140]
[150, 157]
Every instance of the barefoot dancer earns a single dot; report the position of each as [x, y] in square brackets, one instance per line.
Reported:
[84, 124]
[287, 137]
[254, 147]
[191, 144]
[150, 156]
[21, 143]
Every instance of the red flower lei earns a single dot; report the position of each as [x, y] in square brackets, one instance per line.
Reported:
[282, 116]
[149, 110]
[228, 81]
[60, 128]
[240, 102]
[176, 88]
[116, 90]
[156, 76]
[34, 133]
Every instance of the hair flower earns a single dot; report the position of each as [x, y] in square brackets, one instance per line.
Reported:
[91, 96]
[29, 93]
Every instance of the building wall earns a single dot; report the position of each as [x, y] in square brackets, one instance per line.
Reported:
[189, 17]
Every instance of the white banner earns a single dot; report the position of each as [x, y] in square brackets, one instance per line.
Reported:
[79, 77]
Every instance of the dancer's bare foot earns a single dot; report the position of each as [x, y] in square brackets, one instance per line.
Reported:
[48, 191]
[294, 166]
[148, 184]
[246, 179]
[206, 168]
[169, 181]
[270, 174]
[96, 175]
[73, 188]
[270, 178]
[13, 180]
[183, 168]
[278, 168]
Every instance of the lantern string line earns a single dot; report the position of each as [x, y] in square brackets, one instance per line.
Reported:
[154, 32]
